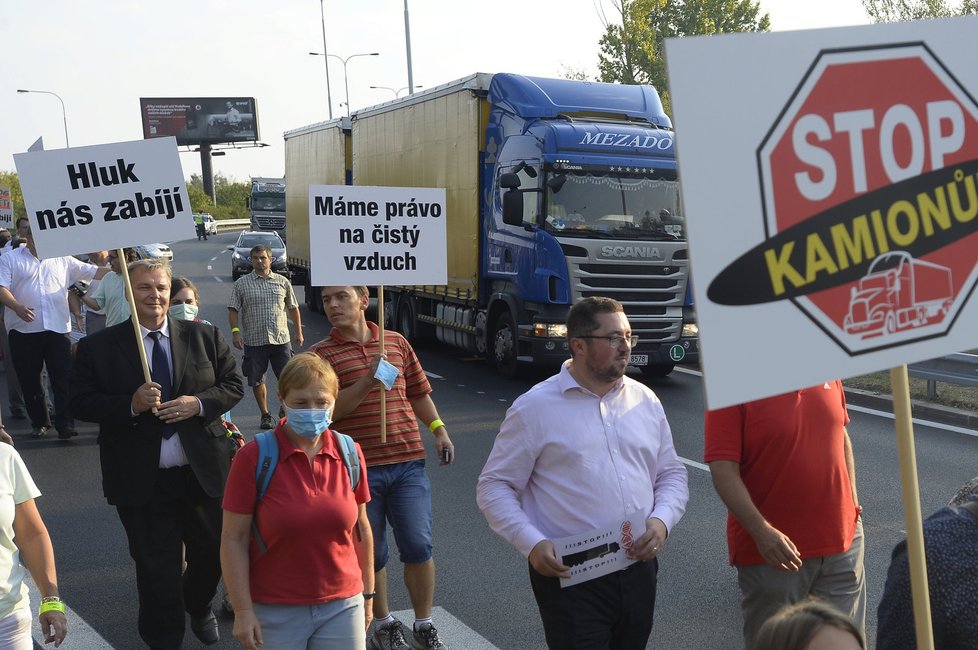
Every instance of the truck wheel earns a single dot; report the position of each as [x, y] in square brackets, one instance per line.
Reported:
[657, 371]
[504, 346]
[405, 321]
[313, 298]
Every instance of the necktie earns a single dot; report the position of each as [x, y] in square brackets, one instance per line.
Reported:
[161, 375]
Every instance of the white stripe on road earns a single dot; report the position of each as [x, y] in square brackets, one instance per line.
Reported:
[920, 421]
[453, 632]
[693, 463]
[80, 634]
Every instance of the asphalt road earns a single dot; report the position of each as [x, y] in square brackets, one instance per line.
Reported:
[482, 582]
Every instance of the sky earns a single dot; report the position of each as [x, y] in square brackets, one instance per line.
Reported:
[101, 56]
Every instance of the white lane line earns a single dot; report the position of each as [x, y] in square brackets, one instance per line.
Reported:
[432, 375]
[80, 633]
[453, 632]
[693, 463]
[689, 371]
[920, 421]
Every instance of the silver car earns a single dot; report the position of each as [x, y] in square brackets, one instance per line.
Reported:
[241, 252]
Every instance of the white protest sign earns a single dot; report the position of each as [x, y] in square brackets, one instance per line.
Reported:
[831, 201]
[6, 209]
[105, 196]
[362, 235]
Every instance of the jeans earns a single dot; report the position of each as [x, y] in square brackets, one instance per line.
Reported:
[333, 625]
[400, 494]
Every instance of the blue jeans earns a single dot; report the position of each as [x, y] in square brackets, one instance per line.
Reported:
[333, 625]
[400, 494]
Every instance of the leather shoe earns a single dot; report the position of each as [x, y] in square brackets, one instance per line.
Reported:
[205, 628]
[66, 434]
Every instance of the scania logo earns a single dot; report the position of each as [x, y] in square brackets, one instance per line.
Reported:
[640, 252]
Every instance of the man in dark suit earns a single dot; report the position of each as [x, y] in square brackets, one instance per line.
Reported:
[164, 470]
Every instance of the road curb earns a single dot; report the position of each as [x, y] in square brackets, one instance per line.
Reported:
[919, 409]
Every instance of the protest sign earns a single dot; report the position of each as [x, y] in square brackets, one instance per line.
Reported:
[831, 224]
[6, 209]
[361, 235]
[105, 196]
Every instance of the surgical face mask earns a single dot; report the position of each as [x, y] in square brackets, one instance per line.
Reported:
[308, 423]
[184, 311]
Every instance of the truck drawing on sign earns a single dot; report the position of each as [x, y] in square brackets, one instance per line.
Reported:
[588, 172]
[592, 553]
[898, 293]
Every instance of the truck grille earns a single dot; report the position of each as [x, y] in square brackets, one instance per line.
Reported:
[270, 223]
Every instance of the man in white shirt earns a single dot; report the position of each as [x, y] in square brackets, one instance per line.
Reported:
[15, 399]
[35, 295]
[577, 452]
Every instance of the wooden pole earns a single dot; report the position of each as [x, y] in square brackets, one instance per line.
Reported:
[911, 507]
[383, 392]
[124, 265]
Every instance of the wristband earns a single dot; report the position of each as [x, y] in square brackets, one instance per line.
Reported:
[368, 596]
[434, 425]
[51, 606]
[235, 329]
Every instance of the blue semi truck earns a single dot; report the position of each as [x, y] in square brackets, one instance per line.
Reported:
[556, 190]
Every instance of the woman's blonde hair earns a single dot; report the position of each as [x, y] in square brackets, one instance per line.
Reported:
[305, 368]
[796, 625]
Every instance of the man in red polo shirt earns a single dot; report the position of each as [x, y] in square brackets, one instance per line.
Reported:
[783, 465]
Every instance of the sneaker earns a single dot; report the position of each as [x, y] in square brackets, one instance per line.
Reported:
[388, 637]
[266, 421]
[39, 432]
[427, 637]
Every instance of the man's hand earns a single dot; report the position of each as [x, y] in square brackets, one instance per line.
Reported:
[650, 543]
[179, 409]
[777, 549]
[543, 559]
[146, 397]
[54, 626]
[24, 313]
[247, 630]
[237, 340]
[298, 339]
[443, 442]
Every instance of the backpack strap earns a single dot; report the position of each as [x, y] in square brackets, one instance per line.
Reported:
[267, 460]
[350, 457]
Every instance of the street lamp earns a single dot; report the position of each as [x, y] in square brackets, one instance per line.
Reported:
[397, 93]
[329, 93]
[64, 115]
[346, 82]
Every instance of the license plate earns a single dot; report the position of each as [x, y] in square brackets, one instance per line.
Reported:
[638, 360]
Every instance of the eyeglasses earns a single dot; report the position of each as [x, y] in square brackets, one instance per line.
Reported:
[615, 341]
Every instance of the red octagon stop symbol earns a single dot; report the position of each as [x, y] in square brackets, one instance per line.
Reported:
[869, 197]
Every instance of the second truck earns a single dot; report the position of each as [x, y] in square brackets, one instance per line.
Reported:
[556, 190]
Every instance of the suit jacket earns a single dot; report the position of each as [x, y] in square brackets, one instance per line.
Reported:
[105, 374]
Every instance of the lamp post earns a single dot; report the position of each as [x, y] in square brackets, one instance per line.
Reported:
[64, 115]
[346, 82]
[329, 93]
[397, 93]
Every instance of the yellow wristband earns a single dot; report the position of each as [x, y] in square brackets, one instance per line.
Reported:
[435, 424]
[51, 606]
[235, 329]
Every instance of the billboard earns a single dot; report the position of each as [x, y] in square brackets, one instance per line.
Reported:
[200, 120]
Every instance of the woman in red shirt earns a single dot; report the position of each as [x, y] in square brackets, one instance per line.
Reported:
[307, 589]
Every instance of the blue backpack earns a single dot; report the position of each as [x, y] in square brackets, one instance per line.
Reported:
[268, 459]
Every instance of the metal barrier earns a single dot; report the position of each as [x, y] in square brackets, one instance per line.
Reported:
[959, 368]
[231, 224]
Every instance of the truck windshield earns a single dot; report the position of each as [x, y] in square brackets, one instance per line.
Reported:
[275, 203]
[613, 206]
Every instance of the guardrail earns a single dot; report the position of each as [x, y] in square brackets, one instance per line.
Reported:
[231, 224]
[959, 368]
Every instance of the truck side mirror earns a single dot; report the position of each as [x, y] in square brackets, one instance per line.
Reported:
[512, 206]
[509, 181]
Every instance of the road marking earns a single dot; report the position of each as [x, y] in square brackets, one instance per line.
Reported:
[689, 371]
[920, 421]
[693, 463]
[453, 632]
[80, 634]
[432, 375]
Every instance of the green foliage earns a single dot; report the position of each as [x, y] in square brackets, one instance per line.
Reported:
[230, 197]
[10, 179]
[888, 11]
[634, 53]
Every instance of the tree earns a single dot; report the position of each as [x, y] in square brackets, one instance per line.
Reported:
[633, 52]
[230, 197]
[11, 180]
[888, 11]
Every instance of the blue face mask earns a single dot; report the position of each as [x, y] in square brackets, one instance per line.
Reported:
[308, 423]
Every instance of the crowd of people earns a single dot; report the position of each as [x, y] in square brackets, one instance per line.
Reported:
[297, 520]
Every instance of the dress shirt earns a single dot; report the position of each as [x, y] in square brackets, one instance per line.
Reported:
[41, 285]
[263, 303]
[171, 451]
[577, 461]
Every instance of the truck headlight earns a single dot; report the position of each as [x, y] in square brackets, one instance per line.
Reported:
[550, 330]
[690, 330]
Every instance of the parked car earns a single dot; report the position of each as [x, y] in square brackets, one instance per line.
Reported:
[151, 251]
[241, 252]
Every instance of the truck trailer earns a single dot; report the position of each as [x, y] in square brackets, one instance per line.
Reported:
[587, 174]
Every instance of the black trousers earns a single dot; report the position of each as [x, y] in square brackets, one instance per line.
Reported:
[178, 514]
[613, 612]
[31, 352]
